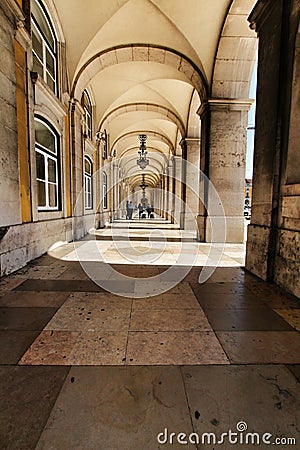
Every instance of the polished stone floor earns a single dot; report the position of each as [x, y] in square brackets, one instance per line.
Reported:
[82, 368]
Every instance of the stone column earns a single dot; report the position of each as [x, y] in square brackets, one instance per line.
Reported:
[177, 186]
[191, 154]
[226, 160]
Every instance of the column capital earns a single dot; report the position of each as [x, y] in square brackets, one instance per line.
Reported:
[225, 104]
[260, 13]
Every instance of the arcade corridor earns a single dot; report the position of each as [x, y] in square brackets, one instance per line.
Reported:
[149, 224]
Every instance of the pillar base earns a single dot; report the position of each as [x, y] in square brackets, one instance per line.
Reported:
[257, 250]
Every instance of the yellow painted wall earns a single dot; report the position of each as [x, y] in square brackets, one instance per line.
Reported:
[23, 150]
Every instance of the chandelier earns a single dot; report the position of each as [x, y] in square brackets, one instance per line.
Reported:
[142, 162]
[143, 185]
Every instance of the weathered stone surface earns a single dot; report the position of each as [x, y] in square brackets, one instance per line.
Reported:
[257, 250]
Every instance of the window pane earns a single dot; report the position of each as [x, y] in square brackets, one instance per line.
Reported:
[51, 170]
[44, 136]
[50, 83]
[50, 63]
[87, 166]
[39, 16]
[40, 166]
[52, 195]
[86, 102]
[37, 43]
[37, 66]
[41, 193]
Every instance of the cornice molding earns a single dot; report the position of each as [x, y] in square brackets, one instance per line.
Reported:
[227, 104]
[260, 13]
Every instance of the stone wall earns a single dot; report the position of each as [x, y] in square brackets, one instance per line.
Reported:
[273, 235]
[10, 208]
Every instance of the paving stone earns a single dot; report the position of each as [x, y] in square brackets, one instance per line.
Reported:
[59, 285]
[174, 348]
[261, 347]
[122, 408]
[33, 299]
[27, 396]
[266, 398]
[292, 316]
[29, 319]
[169, 320]
[14, 344]
[77, 348]
[83, 319]
[246, 320]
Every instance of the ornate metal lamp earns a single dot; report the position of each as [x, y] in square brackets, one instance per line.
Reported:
[142, 162]
[143, 185]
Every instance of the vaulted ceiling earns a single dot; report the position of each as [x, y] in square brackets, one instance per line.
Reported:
[144, 63]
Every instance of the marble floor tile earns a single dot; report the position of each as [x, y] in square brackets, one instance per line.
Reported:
[59, 285]
[14, 344]
[84, 319]
[295, 370]
[220, 288]
[51, 348]
[27, 396]
[74, 274]
[263, 319]
[261, 347]
[33, 299]
[99, 349]
[41, 272]
[266, 398]
[292, 316]
[230, 301]
[123, 408]
[30, 319]
[169, 320]
[174, 348]
[10, 282]
[165, 301]
[272, 295]
[77, 348]
[234, 290]
[97, 300]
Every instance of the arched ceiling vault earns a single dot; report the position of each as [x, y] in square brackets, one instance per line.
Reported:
[150, 63]
[133, 135]
[149, 107]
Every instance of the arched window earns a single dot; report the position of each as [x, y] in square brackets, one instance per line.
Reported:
[44, 45]
[87, 106]
[104, 191]
[47, 165]
[88, 183]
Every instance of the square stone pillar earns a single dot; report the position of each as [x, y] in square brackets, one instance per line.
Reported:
[191, 165]
[177, 186]
[226, 159]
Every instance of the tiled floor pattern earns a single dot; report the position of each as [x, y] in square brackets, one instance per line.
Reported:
[85, 369]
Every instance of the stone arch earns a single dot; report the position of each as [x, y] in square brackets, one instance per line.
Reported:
[193, 121]
[152, 107]
[154, 163]
[135, 179]
[140, 52]
[162, 137]
[236, 53]
[148, 149]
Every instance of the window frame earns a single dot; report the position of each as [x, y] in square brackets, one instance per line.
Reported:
[46, 47]
[54, 156]
[88, 184]
[88, 114]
